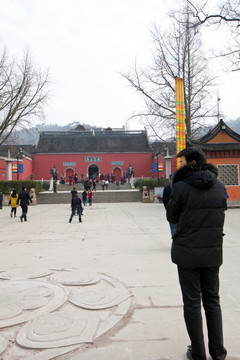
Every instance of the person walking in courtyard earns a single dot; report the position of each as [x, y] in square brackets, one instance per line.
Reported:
[197, 205]
[24, 199]
[76, 208]
[74, 192]
[90, 196]
[94, 184]
[84, 197]
[13, 198]
[1, 199]
[103, 183]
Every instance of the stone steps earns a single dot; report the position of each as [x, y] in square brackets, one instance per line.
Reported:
[106, 196]
[79, 187]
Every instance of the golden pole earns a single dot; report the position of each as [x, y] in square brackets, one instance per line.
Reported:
[180, 117]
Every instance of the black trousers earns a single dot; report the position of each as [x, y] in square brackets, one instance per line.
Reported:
[14, 211]
[202, 284]
[24, 211]
[79, 213]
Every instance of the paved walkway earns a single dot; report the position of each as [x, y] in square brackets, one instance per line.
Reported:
[129, 242]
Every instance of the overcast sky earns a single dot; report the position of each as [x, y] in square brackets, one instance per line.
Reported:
[85, 45]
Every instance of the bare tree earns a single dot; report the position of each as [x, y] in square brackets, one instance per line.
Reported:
[227, 14]
[177, 52]
[23, 93]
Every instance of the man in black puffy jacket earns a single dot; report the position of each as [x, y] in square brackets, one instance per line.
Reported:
[76, 205]
[197, 204]
[24, 199]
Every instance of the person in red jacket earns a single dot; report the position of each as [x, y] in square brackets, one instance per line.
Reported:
[90, 196]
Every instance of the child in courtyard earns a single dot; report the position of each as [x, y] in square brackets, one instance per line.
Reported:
[13, 198]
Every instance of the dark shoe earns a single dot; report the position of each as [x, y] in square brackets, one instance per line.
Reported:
[189, 353]
[11, 214]
[21, 218]
[80, 220]
[70, 220]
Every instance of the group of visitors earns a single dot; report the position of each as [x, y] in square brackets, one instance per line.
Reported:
[73, 179]
[91, 183]
[23, 199]
[77, 203]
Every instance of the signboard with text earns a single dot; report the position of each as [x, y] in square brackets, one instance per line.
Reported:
[93, 158]
[20, 168]
[157, 167]
[14, 168]
[117, 163]
[69, 163]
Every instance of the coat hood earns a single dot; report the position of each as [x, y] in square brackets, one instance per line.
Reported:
[201, 176]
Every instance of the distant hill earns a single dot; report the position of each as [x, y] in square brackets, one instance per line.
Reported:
[234, 125]
[29, 136]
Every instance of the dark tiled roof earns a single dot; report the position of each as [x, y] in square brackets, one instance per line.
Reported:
[204, 144]
[220, 147]
[14, 149]
[103, 141]
[220, 127]
[160, 147]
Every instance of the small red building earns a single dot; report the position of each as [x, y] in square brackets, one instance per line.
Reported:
[16, 162]
[221, 146]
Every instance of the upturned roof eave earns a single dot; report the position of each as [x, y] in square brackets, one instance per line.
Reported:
[215, 131]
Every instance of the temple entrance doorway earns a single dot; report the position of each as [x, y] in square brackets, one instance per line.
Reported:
[93, 171]
[117, 172]
[68, 172]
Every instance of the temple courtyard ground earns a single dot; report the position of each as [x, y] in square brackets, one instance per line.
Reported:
[128, 244]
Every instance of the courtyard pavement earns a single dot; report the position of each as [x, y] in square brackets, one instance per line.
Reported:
[129, 242]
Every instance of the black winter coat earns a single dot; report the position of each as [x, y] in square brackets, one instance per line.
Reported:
[24, 198]
[76, 203]
[197, 204]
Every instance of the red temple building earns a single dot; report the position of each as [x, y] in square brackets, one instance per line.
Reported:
[95, 152]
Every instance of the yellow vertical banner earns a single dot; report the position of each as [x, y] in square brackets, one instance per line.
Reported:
[180, 117]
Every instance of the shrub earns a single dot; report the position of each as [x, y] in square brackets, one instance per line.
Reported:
[7, 186]
[45, 185]
[151, 183]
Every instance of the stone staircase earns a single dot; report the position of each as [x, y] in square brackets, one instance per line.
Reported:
[79, 187]
[111, 195]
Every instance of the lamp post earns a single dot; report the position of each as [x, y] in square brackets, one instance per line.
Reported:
[18, 155]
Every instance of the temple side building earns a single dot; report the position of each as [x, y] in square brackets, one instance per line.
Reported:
[221, 146]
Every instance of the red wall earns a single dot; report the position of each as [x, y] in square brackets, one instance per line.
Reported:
[3, 170]
[42, 164]
[27, 169]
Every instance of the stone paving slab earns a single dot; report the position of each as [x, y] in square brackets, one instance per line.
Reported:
[129, 242]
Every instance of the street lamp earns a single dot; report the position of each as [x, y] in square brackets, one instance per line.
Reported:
[20, 152]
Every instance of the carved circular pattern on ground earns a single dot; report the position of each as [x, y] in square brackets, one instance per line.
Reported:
[75, 277]
[59, 318]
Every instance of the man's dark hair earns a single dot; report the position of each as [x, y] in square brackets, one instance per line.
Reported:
[193, 154]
